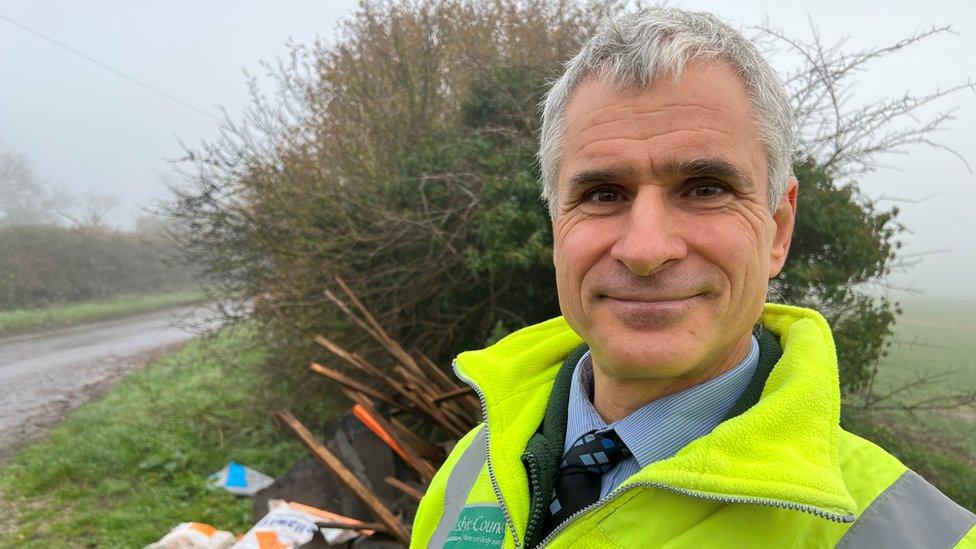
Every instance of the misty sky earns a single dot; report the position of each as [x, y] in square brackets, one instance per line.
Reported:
[87, 130]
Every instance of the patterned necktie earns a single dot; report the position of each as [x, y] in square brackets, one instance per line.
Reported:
[581, 472]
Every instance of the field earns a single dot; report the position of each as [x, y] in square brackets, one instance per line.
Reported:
[23, 320]
[934, 338]
[938, 338]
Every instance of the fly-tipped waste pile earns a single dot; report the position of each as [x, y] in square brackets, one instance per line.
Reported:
[378, 467]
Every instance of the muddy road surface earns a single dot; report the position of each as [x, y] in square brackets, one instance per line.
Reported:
[45, 375]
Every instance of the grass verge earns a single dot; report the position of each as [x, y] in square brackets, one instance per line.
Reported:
[121, 471]
[947, 467]
[933, 338]
[23, 320]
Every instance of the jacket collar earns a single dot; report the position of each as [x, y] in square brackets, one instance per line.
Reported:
[781, 449]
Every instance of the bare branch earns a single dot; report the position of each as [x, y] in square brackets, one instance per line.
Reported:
[848, 141]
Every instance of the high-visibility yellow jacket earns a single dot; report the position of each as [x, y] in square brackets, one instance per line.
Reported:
[779, 472]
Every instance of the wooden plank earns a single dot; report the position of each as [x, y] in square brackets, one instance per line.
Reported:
[351, 383]
[423, 469]
[334, 465]
[351, 358]
[446, 381]
[455, 425]
[420, 403]
[367, 528]
[471, 404]
[366, 418]
[404, 487]
[456, 402]
[451, 395]
[365, 366]
[450, 425]
[378, 332]
[460, 423]
[424, 448]
[324, 518]
[419, 386]
[460, 418]
[349, 313]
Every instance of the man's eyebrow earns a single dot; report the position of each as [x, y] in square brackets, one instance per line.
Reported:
[598, 175]
[698, 167]
[708, 167]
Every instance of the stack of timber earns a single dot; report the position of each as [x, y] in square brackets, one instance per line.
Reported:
[408, 390]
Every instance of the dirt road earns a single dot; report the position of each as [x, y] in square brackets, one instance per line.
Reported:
[45, 375]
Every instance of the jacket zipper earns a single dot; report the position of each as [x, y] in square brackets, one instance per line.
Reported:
[833, 517]
[491, 471]
[534, 484]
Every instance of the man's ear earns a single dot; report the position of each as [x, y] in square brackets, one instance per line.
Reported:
[784, 217]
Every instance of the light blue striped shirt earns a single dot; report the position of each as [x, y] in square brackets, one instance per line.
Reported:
[660, 428]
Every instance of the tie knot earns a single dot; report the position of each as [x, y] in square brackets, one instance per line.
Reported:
[596, 452]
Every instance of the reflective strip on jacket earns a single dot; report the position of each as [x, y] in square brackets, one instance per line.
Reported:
[781, 474]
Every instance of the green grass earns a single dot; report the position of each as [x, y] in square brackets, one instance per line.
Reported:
[939, 335]
[938, 338]
[123, 470]
[952, 473]
[22, 320]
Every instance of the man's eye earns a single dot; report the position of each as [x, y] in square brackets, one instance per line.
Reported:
[603, 195]
[708, 190]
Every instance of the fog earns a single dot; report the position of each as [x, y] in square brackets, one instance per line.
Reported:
[89, 130]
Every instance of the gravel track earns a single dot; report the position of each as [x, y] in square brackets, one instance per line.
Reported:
[45, 375]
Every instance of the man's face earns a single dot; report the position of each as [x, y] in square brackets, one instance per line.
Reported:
[664, 241]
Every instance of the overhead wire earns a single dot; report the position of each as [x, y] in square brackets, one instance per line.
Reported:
[111, 69]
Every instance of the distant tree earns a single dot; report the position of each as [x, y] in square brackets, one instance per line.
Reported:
[150, 225]
[24, 199]
[49, 264]
[401, 158]
[93, 209]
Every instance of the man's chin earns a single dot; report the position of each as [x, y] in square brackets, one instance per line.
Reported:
[646, 359]
[647, 341]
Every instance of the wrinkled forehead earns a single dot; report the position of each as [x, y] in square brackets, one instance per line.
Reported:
[705, 112]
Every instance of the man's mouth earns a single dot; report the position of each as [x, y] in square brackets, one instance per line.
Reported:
[640, 298]
[650, 312]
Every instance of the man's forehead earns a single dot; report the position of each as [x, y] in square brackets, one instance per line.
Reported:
[705, 119]
[694, 82]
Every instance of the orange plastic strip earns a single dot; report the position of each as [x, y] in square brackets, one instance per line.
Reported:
[363, 415]
[204, 529]
[269, 540]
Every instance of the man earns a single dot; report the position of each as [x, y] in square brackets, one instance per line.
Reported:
[670, 406]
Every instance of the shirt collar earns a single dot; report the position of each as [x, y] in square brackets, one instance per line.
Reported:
[660, 428]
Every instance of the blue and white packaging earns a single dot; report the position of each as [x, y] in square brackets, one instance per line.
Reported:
[240, 480]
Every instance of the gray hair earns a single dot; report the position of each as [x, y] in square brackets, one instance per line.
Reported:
[631, 50]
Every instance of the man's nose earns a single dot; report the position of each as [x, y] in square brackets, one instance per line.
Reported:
[650, 237]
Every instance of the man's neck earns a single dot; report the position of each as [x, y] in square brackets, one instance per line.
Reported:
[615, 398]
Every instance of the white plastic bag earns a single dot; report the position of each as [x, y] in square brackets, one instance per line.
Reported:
[194, 535]
[282, 527]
